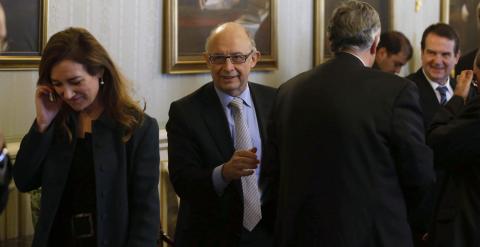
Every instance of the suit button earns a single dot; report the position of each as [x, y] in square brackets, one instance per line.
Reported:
[103, 194]
[105, 242]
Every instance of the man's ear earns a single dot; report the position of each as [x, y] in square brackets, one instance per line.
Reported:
[205, 57]
[255, 58]
[373, 47]
[382, 53]
[457, 56]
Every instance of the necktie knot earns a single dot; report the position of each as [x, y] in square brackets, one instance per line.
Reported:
[443, 94]
[237, 103]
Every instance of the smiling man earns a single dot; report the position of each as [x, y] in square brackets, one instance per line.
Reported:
[215, 142]
[440, 53]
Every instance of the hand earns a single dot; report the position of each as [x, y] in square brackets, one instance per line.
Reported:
[464, 80]
[46, 110]
[242, 163]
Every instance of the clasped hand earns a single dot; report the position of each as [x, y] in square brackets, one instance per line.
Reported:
[464, 81]
[242, 163]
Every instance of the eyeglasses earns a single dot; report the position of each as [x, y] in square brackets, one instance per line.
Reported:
[235, 58]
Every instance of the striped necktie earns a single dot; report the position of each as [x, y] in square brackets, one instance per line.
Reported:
[252, 212]
[443, 94]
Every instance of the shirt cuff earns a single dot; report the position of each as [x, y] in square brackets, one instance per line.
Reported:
[218, 182]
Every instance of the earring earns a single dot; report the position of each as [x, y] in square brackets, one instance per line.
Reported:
[102, 82]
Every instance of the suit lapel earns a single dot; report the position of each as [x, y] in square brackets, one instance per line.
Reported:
[261, 109]
[429, 95]
[216, 122]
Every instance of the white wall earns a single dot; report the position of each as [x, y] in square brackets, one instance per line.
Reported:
[131, 30]
[412, 24]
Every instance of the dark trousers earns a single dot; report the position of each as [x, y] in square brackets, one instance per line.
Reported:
[258, 237]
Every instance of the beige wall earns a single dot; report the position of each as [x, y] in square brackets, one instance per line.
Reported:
[131, 30]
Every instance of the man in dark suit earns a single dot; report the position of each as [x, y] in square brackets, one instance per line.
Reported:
[440, 53]
[346, 146]
[208, 165]
[454, 138]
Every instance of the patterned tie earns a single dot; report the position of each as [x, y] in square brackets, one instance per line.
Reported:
[443, 94]
[252, 212]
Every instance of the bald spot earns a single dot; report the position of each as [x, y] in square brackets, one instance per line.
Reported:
[230, 34]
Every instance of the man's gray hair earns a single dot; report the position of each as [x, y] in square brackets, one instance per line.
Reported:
[353, 26]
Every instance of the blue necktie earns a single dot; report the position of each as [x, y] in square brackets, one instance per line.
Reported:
[443, 94]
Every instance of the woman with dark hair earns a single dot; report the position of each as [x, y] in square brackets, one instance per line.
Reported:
[91, 148]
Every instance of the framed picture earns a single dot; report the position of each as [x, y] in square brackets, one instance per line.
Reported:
[323, 13]
[23, 33]
[462, 16]
[188, 23]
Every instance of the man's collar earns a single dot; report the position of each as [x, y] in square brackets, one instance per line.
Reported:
[225, 98]
[434, 82]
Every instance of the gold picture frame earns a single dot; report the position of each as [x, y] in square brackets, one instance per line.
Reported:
[26, 23]
[321, 20]
[187, 25]
[462, 16]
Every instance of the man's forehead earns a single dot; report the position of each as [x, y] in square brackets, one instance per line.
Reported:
[434, 39]
[229, 45]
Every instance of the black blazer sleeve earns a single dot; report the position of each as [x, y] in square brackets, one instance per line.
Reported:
[454, 134]
[144, 212]
[191, 178]
[34, 147]
[412, 157]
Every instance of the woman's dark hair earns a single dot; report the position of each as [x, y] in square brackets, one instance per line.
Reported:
[78, 45]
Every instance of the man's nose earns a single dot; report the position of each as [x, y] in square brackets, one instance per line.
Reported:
[228, 65]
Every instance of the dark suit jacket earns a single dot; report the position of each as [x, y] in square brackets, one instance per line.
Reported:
[198, 141]
[430, 106]
[348, 154]
[428, 99]
[126, 177]
[454, 137]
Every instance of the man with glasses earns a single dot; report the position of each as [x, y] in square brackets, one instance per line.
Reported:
[215, 143]
[346, 145]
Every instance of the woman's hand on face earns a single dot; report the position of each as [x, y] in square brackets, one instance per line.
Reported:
[46, 105]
